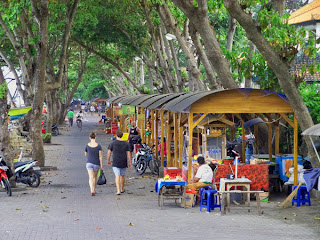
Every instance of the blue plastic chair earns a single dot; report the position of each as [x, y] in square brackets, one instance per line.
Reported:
[303, 196]
[204, 188]
[210, 199]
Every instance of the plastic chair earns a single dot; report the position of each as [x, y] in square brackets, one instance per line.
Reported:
[303, 196]
[209, 200]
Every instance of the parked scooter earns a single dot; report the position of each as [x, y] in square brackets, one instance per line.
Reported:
[54, 129]
[27, 172]
[5, 174]
[234, 149]
[145, 158]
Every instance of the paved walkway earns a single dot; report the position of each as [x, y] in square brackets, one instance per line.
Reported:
[62, 207]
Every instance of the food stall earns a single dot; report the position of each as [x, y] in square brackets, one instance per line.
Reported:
[207, 114]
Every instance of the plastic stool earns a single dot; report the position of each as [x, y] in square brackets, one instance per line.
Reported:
[303, 196]
[204, 188]
[209, 200]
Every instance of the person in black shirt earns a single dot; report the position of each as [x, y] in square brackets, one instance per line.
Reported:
[93, 152]
[121, 155]
[133, 132]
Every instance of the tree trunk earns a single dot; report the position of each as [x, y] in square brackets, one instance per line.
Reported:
[280, 68]
[199, 17]
[213, 85]
[231, 32]
[248, 80]
[4, 135]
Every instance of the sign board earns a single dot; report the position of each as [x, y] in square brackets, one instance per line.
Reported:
[114, 127]
[128, 110]
[118, 111]
[140, 116]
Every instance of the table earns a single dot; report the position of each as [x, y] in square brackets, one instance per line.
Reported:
[238, 182]
[167, 189]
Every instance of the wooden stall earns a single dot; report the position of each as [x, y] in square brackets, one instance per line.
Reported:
[194, 113]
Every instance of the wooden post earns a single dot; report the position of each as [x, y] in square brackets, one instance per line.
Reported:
[169, 158]
[176, 138]
[190, 145]
[232, 133]
[122, 127]
[152, 128]
[156, 134]
[256, 138]
[270, 141]
[277, 138]
[162, 135]
[295, 150]
[243, 143]
[143, 121]
[112, 113]
[181, 141]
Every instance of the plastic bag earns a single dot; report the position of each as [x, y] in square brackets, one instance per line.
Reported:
[102, 178]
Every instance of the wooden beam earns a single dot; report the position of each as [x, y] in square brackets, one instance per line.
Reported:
[181, 141]
[287, 119]
[190, 145]
[295, 150]
[199, 120]
[243, 143]
[169, 158]
[262, 117]
[270, 141]
[176, 139]
[162, 136]
[226, 121]
[156, 133]
[277, 137]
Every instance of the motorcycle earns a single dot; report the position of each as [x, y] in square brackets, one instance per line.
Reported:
[27, 172]
[5, 174]
[54, 129]
[234, 149]
[145, 158]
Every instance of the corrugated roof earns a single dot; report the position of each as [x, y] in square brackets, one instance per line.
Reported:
[127, 100]
[152, 100]
[119, 100]
[184, 102]
[112, 99]
[160, 102]
[309, 12]
[142, 99]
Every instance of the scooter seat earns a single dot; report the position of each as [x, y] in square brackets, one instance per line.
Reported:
[18, 164]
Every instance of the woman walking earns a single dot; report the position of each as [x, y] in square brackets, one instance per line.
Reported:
[93, 152]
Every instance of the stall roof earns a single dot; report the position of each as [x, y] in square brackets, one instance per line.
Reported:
[127, 100]
[164, 100]
[153, 99]
[118, 100]
[142, 99]
[184, 102]
[112, 99]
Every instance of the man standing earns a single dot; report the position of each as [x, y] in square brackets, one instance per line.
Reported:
[70, 117]
[120, 155]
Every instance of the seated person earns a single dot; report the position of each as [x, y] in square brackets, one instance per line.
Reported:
[203, 177]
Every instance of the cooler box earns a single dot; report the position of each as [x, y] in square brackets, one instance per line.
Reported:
[136, 147]
[281, 161]
[173, 172]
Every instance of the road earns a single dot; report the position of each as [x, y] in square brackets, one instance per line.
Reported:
[63, 208]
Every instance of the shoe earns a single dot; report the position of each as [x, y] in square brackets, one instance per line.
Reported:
[123, 191]
[118, 193]
[93, 194]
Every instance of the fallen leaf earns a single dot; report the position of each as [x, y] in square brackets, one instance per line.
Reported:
[77, 219]
[141, 187]
[18, 195]
[18, 208]
[317, 218]
[98, 228]
[44, 207]
[285, 218]
[131, 224]
[8, 231]
[118, 198]
[63, 197]
[43, 210]
[294, 215]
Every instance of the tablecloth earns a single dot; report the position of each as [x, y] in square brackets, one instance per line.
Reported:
[160, 183]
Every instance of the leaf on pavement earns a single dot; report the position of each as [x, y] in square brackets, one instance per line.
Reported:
[131, 224]
[44, 207]
[70, 212]
[77, 219]
[18, 209]
[317, 218]
[98, 228]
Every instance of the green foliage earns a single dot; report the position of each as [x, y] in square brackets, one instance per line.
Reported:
[311, 96]
[91, 88]
[3, 90]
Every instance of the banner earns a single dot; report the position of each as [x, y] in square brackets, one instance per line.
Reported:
[128, 110]
[118, 111]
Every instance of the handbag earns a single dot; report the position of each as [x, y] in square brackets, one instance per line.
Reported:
[102, 178]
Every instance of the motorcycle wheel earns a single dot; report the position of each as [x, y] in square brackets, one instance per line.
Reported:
[141, 166]
[55, 132]
[6, 184]
[154, 166]
[34, 179]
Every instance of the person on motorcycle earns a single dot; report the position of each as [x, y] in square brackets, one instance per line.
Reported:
[79, 118]
[133, 132]
[121, 155]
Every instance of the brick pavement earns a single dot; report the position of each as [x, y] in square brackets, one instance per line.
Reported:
[62, 207]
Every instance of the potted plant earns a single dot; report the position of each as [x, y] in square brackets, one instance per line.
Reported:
[46, 138]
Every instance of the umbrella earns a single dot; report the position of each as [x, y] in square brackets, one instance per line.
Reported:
[313, 131]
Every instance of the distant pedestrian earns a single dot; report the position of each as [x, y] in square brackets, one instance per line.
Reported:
[92, 109]
[70, 117]
[93, 152]
[99, 110]
[120, 155]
